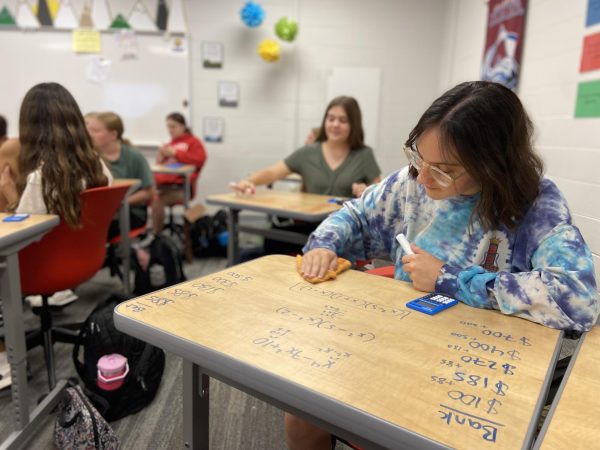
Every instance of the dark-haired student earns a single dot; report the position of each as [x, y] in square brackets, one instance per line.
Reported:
[3, 130]
[486, 227]
[184, 148]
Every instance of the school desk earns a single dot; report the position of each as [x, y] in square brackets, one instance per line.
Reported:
[573, 421]
[185, 170]
[125, 228]
[350, 356]
[292, 205]
[13, 237]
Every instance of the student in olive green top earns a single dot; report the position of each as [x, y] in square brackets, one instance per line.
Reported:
[106, 130]
[337, 164]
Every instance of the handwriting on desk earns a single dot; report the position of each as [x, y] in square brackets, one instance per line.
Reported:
[475, 377]
[362, 303]
[278, 340]
[320, 357]
[217, 283]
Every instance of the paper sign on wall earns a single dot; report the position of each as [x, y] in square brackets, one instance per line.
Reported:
[593, 13]
[590, 56]
[86, 41]
[588, 99]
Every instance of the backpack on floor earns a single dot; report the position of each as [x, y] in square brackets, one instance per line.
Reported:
[164, 269]
[80, 426]
[209, 235]
[99, 337]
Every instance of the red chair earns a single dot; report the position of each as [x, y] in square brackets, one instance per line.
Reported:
[385, 271]
[65, 258]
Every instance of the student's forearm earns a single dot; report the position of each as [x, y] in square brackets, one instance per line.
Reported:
[141, 197]
[263, 177]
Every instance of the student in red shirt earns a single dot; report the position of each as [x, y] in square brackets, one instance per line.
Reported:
[184, 148]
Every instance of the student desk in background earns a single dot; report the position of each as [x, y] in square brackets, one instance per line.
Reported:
[349, 355]
[125, 228]
[573, 421]
[14, 236]
[292, 205]
[185, 170]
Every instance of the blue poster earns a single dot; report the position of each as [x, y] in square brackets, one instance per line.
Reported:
[593, 13]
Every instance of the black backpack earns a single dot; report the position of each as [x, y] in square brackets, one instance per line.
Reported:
[164, 269]
[98, 337]
[205, 235]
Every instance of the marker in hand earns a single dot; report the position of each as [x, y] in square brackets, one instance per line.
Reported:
[404, 244]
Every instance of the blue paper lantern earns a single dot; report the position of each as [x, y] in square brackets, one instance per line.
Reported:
[252, 14]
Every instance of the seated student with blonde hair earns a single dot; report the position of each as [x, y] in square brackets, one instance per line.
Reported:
[52, 161]
[106, 130]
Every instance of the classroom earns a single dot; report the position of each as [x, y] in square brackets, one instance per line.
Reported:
[231, 224]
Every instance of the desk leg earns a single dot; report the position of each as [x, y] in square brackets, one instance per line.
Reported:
[188, 191]
[233, 245]
[10, 292]
[125, 246]
[196, 429]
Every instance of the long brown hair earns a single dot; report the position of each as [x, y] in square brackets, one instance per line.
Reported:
[485, 126]
[356, 139]
[54, 139]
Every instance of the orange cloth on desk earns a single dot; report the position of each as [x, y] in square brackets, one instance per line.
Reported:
[343, 265]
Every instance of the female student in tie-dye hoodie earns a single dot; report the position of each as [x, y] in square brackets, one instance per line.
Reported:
[486, 227]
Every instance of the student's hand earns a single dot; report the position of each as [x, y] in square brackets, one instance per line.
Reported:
[243, 188]
[358, 189]
[8, 185]
[167, 151]
[317, 262]
[423, 269]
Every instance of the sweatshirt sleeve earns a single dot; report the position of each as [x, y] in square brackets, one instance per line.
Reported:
[559, 290]
[364, 227]
[195, 154]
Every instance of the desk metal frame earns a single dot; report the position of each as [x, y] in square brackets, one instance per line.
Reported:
[10, 292]
[234, 228]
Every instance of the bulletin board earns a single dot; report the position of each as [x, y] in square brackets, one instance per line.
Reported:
[142, 79]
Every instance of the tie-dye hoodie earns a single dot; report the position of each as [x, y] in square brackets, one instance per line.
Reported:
[542, 270]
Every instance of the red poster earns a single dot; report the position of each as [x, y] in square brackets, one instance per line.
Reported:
[590, 57]
[504, 42]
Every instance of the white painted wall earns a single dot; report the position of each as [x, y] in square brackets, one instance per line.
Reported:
[280, 102]
[550, 72]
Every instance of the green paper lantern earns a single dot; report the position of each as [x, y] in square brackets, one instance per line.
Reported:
[286, 29]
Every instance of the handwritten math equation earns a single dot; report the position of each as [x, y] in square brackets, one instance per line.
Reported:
[476, 375]
[277, 341]
[362, 303]
[325, 321]
[209, 285]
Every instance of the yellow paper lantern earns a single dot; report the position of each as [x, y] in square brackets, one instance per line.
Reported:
[269, 50]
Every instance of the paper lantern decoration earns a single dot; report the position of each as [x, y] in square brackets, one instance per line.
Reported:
[286, 29]
[252, 14]
[269, 50]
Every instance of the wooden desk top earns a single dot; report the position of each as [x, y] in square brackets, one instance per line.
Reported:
[34, 225]
[127, 181]
[350, 352]
[296, 205]
[163, 168]
[573, 422]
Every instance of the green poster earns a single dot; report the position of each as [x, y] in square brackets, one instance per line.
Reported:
[588, 99]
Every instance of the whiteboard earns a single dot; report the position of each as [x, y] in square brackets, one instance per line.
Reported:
[142, 90]
[362, 83]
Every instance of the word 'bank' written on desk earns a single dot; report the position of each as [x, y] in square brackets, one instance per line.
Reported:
[466, 378]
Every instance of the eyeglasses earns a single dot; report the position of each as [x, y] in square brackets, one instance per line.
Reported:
[441, 177]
